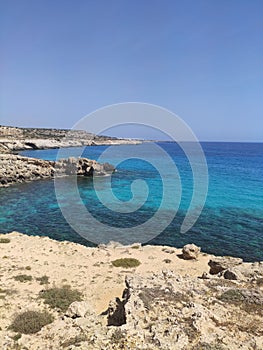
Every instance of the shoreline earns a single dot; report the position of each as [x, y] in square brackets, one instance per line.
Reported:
[182, 289]
[18, 169]
[14, 139]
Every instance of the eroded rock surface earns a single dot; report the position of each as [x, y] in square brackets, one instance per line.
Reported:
[149, 307]
[16, 169]
[219, 264]
[190, 251]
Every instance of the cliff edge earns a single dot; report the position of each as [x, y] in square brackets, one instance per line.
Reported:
[61, 295]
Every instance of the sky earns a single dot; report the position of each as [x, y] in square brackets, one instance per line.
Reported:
[201, 59]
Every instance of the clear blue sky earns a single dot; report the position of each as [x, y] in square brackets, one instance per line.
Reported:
[62, 59]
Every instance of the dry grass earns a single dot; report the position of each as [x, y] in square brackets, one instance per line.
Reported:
[23, 278]
[43, 279]
[232, 296]
[252, 304]
[5, 240]
[126, 262]
[60, 297]
[30, 322]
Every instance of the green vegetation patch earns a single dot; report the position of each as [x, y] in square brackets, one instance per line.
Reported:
[126, 262]
[232, 295]
[30, 322]
[249, 300]
[43, 279]
[5, 240]
[23, 278]
[135, 246]
[60, 297]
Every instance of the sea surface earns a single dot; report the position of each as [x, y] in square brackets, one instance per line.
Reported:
[231, 222]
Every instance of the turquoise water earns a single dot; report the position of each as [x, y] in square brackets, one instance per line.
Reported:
[231, 222]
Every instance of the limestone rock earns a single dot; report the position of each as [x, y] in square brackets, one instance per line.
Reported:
[15, 168]
[15, 139]
[190, 251]
[113, 245]
[168, 250]
[159, 309]
[219, 264]
[232, 274]
[205, 276]
[79, 309]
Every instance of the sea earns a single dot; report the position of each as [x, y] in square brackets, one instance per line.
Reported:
[230, 222]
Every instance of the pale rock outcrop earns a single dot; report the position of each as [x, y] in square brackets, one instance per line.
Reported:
[156, 307]
[16, 139]
[79, 309]
[246, 272]
[15, 168]
[232, 274]
[190, 251]
[219, 264]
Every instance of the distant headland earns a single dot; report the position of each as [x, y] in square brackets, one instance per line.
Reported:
[14, 139]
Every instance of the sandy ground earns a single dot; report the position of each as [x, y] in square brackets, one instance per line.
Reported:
[88, 269]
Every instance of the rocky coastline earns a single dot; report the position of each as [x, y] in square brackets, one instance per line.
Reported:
[179, 299]
[17, 169]
[62, 295]
[13, 139]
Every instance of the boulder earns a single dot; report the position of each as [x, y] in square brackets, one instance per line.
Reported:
[190, 251]
[232, 274]
[78, 309]
[205, 276]
[219, 264]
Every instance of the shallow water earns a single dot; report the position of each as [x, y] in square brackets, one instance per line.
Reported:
[231, 222]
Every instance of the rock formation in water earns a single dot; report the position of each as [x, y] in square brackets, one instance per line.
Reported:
[16, 169]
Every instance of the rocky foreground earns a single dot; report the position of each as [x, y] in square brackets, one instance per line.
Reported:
[17, 139]
[154, 297]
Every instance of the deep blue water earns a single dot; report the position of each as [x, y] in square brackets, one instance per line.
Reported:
[231, 222]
